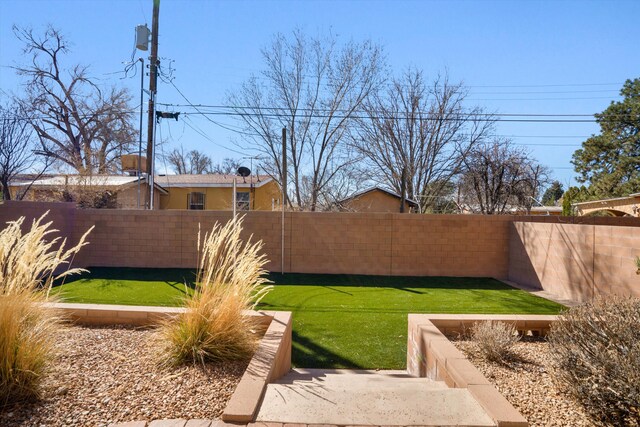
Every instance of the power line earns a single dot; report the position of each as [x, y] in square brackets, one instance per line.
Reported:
[335, 116]
[538, 99]
[551, 85]
[547, 92]
[248, 107]
[205, 136]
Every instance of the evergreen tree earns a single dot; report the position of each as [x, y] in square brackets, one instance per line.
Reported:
[574, 195]
[553, 194]
[610, 162]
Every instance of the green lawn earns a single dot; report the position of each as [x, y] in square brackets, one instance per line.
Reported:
[339, 321]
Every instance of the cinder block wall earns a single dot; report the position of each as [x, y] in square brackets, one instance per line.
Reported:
[338, 243]
[576, 261]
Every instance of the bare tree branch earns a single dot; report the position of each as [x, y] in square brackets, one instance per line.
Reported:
[76, 123]
[312, 87]
[421, 129]
[499, 176]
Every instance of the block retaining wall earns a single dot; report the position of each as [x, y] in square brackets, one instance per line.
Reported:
[574, 258]
[430, 354]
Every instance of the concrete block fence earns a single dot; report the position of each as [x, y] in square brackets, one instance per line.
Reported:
[571, 257]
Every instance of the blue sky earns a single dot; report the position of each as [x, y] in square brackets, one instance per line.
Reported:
[537, 57]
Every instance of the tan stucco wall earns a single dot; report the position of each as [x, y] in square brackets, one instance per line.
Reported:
[220, 198]
[376, 201]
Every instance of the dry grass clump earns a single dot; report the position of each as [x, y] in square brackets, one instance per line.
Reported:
[494, 339]
[230, 280]
[27, 334]
[596, 356]
[28, 263]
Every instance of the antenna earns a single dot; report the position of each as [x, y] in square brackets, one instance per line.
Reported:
[244, 172]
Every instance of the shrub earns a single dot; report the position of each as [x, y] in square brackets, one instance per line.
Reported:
[28, 263]
[230, 280]
[595, 350]
[494, 339]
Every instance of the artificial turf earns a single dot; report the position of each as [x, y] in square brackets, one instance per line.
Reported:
[340, 321]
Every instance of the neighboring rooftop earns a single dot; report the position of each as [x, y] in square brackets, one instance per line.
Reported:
[95, 180]
[618, 206]
[372, 189]
[211, 180]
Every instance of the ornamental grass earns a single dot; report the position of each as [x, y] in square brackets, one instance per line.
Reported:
[29, 264]
[230, 280]
[495, 339]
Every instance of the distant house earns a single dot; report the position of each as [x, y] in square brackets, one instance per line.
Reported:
[114, 191]
[539, 210]
[618, 206]
[377, 199]
[197, 192]
[215, 192]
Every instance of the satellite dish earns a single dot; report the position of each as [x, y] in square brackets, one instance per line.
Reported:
[244, 172]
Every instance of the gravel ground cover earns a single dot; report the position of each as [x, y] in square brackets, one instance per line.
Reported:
[527, 384]
[108, 374]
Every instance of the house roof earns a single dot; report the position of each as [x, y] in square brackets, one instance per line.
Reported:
[122, 181]
[604, 201]
[546, 209]
[211, 180]
[369, 190]
[96, 180]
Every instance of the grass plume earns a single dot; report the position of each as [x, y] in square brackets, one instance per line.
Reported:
[29, 264]
[230, 280]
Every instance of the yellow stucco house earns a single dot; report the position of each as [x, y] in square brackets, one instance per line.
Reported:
[215, 192]
[196, 192]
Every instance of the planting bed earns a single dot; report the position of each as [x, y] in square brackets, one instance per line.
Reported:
[527, 384]
[107, 374]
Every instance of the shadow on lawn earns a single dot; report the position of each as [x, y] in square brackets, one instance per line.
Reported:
[399, 282]
[308, 354]
[181, 276]
[174, 277]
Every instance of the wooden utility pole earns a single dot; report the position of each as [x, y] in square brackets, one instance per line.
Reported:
[153, 79]
[284, 166]
[284, 191]
[403, 189]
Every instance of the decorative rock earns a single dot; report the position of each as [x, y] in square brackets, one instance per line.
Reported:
[116, 379]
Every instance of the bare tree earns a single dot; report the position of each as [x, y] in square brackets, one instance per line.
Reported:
[16, 146]
[193, 162]
[499, 176]
[312, 87]
[227, 167]
[75, 121]
[422, 130]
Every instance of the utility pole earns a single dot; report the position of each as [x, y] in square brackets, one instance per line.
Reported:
[141, 119]
[403, 186]
[284, 190]
[153, 79]
[284, 166]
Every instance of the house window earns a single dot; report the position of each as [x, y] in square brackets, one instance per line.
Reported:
[242, 201]
[195, 201]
